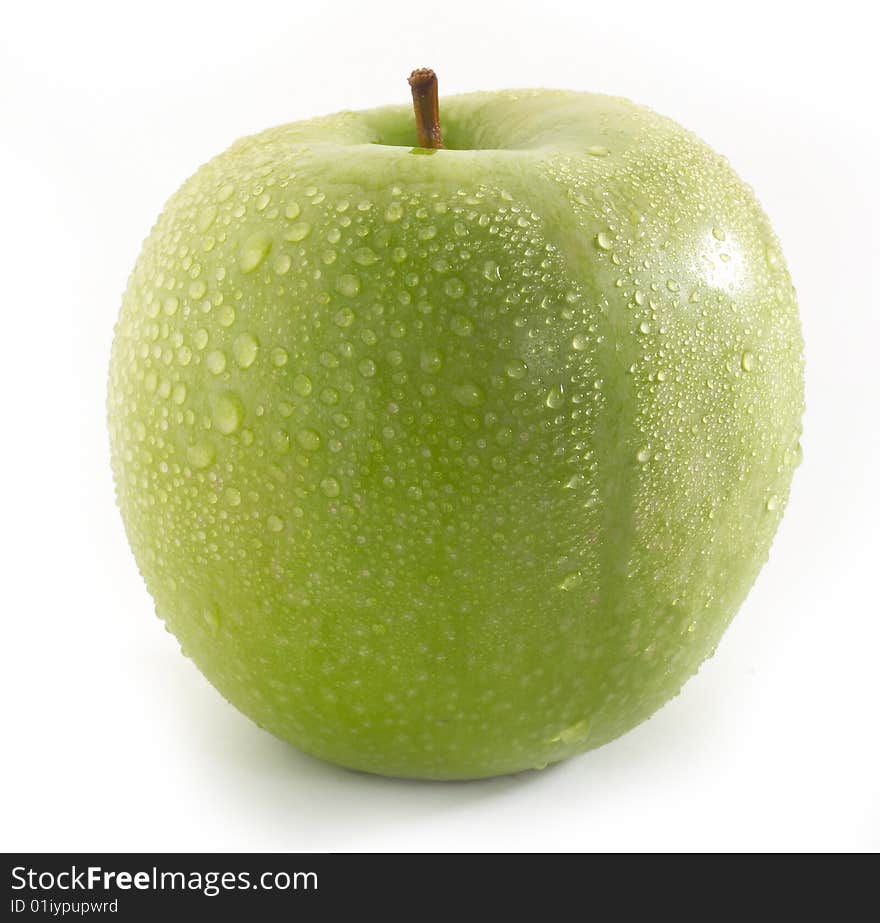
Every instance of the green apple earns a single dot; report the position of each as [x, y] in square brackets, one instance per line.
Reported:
[447, 463]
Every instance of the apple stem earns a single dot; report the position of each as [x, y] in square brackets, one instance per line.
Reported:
[427, 107]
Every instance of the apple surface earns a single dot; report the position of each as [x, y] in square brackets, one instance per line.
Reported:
[449, 463]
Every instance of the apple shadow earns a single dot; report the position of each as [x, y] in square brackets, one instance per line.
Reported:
[267, 794]
[328, 807]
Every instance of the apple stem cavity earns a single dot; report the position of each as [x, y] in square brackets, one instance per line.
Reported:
[426, 103]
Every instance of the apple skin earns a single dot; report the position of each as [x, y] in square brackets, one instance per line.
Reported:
[452, 464]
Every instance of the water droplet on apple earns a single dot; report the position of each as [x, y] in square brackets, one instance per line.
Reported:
[580, 342]
[211, 617]
[571, 581]
[302, 384]
[309, 439]
[297, 232]
[292, 210]
[718, 234]
[491, 271]
[232, 496]
[394, 212]
[468, 394]
[330, 487]
[280, 439]
[282, 264]
[226, 315]
[254, 250]
[672, 285]
[574, 733]
[348, 285]
[604, 240]
[170, 305]
[461, 326]
[643, 455]
[197, 288]
[430, 361]
[216, 361]
[364, 256]
[773, 502]
[555, 397]
[516, 369]
[596, 150]
[454, 288]
[207, 216]
[344, 317]
[747, 361]
[228, 413]
[244, 350]
[274, 523]
[201, 454]
[279, 357]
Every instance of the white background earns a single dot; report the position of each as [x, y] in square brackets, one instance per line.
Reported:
[112, 740]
